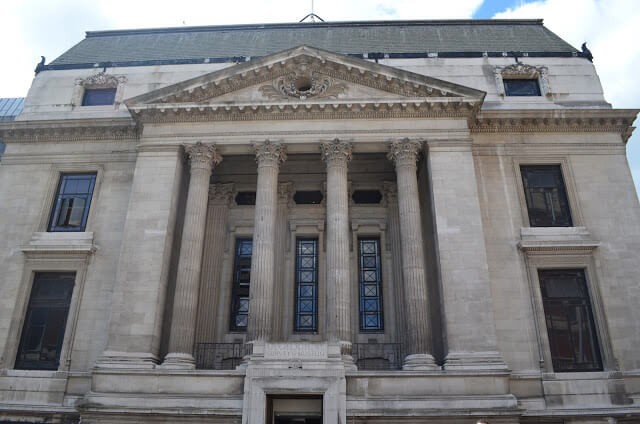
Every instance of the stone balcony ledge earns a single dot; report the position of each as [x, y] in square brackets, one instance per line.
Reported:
[60, 243]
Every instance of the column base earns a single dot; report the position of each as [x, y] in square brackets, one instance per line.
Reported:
[420, 362]
[471, 361]
[179, 361]
[116, 359]
[349, 365]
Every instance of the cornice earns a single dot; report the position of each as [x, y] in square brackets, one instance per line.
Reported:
[384, 109]
[70, 130]
[555, 120]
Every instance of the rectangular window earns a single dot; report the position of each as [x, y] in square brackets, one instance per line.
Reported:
[570, 325]
[546, 196]
[371, 318]
[240, 289]
[99, 96]
[45, 322]
[306, 319]
[72, 202]
[521, 87]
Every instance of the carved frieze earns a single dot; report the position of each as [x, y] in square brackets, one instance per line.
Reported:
[23, 133]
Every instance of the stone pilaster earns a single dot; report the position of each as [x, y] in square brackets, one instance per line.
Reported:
[220, 196]
[404, 154]
[469, 327]
[202, 158]
[337, 155]
[145, 254]
[269, 156]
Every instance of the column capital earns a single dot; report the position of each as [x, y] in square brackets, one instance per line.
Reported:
[220, 194]
[336, 152]
[269, 153]
[284, 191]
[404, 152]
[390, 190]
[202, 156]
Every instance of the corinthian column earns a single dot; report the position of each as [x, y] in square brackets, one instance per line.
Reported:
[185, 306]
[337, 155]
[269, 157]
[404, 154]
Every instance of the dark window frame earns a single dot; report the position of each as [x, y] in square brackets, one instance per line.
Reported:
[63, 208]
[302, 294]
[365, 286]
[564, 305]
[557, 209]
[240, 284]
[99, 96]
[45, 308]
[511, 88]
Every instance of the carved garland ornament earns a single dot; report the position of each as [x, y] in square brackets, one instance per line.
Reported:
[102, 80]
[524, 71]
[303, 84]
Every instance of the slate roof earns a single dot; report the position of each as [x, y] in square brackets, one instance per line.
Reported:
[239, 42]
[10, 107]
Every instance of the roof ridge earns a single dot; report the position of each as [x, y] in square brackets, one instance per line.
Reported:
[284, 25]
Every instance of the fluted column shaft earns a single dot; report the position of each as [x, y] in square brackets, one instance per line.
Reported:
[337, 155]
[268, 156]
[404, 153]
[185, 307]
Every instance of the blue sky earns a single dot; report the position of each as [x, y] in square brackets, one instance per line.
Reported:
[31, 28]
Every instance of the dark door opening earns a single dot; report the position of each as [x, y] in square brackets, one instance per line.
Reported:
[297, 409]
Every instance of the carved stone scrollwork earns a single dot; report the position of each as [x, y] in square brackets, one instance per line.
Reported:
[220, 194]
[404, 151]
[202, 155]
[269, 153]
[522, 70]
[102, 80]
[336, 152]
[302, 84]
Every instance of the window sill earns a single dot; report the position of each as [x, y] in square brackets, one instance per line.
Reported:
[543, 239]
[35, 373]
[60, 243]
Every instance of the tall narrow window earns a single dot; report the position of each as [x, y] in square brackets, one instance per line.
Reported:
[45, 322]
[72, 202]
[306, 319]
[570, 325]
[371, 317]
[546, 196]
[240, 290]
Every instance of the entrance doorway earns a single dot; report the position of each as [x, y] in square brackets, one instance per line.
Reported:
[294, 409]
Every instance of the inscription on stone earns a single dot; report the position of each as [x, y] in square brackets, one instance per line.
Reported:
[295, 351]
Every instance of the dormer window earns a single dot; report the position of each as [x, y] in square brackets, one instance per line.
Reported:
[98, 96]
[100, 89]
[520, 80]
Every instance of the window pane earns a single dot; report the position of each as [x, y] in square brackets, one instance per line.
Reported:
[306, 285]
[570, 325]
[72, 202]
[45, 321]
[98, 96]
[546, 197]
[370, 285]
[521, 87]
[240, 285]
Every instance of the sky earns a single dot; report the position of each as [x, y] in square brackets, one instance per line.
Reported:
[33, 28]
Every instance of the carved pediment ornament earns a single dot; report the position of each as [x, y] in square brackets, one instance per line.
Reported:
[524, 71]
[304, 83]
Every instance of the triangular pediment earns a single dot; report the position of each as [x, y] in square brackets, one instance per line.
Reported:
[306, 79]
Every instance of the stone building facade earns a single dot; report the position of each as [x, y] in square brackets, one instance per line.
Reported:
[358, 222]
